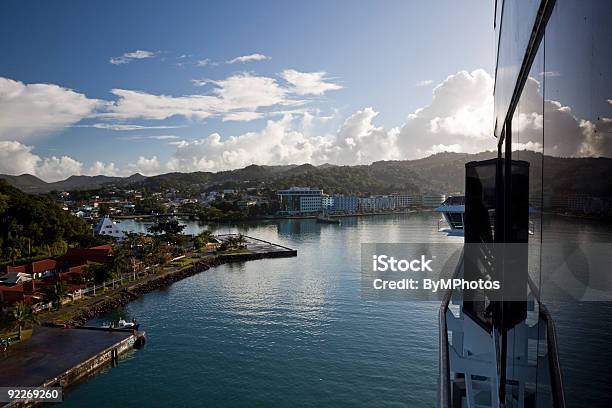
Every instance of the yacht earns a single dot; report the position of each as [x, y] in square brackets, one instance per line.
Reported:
[452, 210]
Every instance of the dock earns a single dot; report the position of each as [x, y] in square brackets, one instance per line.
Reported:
[261, 248]
[57, 356]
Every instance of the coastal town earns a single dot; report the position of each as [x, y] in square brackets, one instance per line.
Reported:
[32, 284]
[47, 303]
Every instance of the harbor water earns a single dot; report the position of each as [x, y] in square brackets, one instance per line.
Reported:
[291, 332]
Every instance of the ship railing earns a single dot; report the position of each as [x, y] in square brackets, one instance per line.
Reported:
[445, 393]
[444, 377]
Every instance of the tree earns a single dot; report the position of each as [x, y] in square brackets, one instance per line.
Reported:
[169, 230]
[57, 291]
[166, 226]
[100, 272]
[23, 315]
[13, 254]
[202, 239]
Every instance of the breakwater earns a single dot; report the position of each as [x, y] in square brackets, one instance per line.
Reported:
[136, 290]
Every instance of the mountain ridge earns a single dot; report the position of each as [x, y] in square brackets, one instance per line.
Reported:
[438, 173]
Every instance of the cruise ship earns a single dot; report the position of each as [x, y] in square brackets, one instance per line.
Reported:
[553, 70]
[452, 210]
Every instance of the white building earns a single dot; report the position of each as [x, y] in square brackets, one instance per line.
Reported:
[367, 204]
[327, 203]
[345, 204]
[403, 201]
[300, 200]
[433, 200]
[107, 227]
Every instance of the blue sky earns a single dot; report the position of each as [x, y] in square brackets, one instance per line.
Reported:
[322, 81]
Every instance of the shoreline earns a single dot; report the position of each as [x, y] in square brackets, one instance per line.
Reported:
[266, 218]
[137, 290]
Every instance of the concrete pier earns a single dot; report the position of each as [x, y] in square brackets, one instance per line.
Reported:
[261, 247]
[61, 356]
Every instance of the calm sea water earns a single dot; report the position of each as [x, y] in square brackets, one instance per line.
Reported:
[292, 332]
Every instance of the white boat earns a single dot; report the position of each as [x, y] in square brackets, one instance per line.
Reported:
[452, 209]
[127, 325]
[122, 324]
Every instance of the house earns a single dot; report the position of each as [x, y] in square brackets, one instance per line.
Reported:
[107, 227]
[30, 282]
[81, 256]
[37, 269]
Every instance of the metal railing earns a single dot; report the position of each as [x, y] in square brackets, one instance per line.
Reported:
[444, 380]
[444, 376]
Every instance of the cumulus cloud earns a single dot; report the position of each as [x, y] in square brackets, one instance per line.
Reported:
[131, 56]
[459, 114]
[58, 168]
[17, 158]
[458, 119]
[28, 110]
[248, 58]
[149, 166]
[101, 168]
[308, 83]
[566, 134]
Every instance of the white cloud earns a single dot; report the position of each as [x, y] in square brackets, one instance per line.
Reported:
[248, 58]
[200, 82]
[550, 74]
[244, 116]
[17, 158]
[28, 110]
[58, 168]
[308, 83]
[204, 62]
[240, 92]
[126, 127]
[100, 168]
[137, 104]
[149, 137]
[460, 113]
[130, 56]
[455, 148]
[148, 167]
[566, 134]
[458, 119]
[424, 82]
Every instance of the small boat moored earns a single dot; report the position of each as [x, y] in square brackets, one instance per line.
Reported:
[122, 324]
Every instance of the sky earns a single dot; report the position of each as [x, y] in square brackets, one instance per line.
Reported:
[120, 87]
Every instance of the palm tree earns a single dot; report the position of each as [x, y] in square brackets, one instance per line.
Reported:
[58, 291]
[13, 254]
[22, 314]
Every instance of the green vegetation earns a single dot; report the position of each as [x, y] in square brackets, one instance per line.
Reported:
[233, 243]
[22, 315]
[202, 239]
[33, 225]
[169, 230]
[57, 292]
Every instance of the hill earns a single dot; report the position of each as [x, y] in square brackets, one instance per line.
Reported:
[439, 173]
[34, 225]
